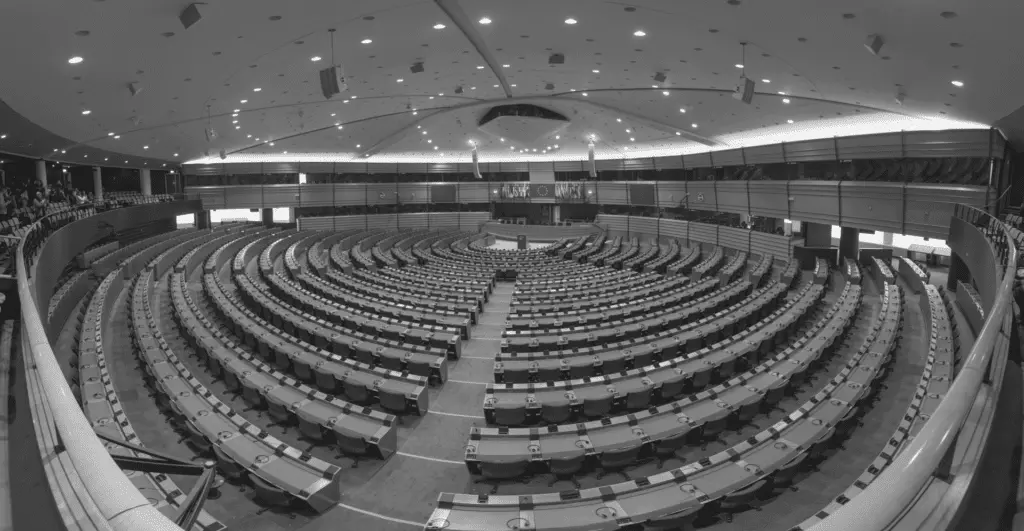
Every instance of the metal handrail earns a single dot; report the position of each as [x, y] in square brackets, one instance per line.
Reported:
[898, 485]
[116, 498]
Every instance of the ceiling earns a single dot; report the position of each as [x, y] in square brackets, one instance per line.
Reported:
[194, 80]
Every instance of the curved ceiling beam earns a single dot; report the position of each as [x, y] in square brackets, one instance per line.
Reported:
[465, 25]
[390, 139]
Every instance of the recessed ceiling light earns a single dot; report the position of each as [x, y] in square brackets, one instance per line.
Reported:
[513, 84]
[423, 132]
[472, 88]
[86, 112]
[501, 139]
[766, 81]
[631, 139]
[110, 134]
[557, 137]
[495, 86]
[618, 120]
[414, 113]
[353, 96]
[480, 67]
[570, 21]
[285, 152]
[106, 159]
[682, 111]
[175, 154]
[75, 60]
[429, 141]
[584, 93]
[664, 93]
[596, 71]
[693, 126]
[789, 121]
[236, 111]
[248, 136]
[629, 131]
[440, 93]
[62, 152]
[654, 86]
[439, 26]
[346, 101]
[234, 121]
[435, 147]
[556, 146]
[333, 114]
[785, 100]
[145, 147]
[739, 65]
[506, 66]
[782, 93]
[957, 83]
[126, 162]
[640, 33]
[117, 137]
[399, 80]
[485, 20]
[626, 148]
[366, 41]
[238, 127]
[678, 133]
[315, 58]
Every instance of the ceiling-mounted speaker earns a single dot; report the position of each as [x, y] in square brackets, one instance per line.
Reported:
[556, 59]
[458, 89]
[660, 77]
[874, 44]
[416, 68]
[549, 86]
[135, 88]
[223, 155]
[332, 81]
[745, 90]
[190, 16]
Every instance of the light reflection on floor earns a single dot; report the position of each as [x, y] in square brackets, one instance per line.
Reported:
[506, 245]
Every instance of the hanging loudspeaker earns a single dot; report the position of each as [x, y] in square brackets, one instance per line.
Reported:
[476, 164]
[593, 164]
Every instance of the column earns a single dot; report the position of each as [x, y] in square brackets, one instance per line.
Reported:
[817, 235]
[849, 243]
[203, 219]
[887, 239]
[268, 217]
[41, 172]
[147, 185]
[97, 184]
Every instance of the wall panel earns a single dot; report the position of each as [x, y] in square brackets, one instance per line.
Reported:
[733, 238]
[612, 223]
[382, 221]
[810, 150]
[675, 228]
[875, 206]
[612, 193]
[276, 195]
[727, 157]
[771, 154]
[732, 196]
[475, 192]
[380, 194]
[778, 246]
[642, 225]
[816, 201]
[697, 160]
[471, 221]
[963, 143]
[671, 193]
[769, 198]
[703, 233]
[702, 196]
[886, 145]
[929, 209]
[349, 194]
[316, 195]
[417, 193]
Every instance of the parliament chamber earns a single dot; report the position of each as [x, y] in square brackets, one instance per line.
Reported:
[630, 295]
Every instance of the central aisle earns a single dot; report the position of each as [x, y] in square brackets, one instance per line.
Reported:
[403, 493]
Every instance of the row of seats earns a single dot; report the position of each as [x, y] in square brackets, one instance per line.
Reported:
[726, 481]
[913, 275]
[702, 323]
[277, 471]
[655, 381]
[626, 256]
[103, 409]
[665, 257]
[931, 389]
[709, 265]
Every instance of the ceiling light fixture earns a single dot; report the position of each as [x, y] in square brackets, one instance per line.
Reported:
[596, 71]
[506, 66]
[789, 121]
[640, 33]
[631, 139]
[117, 137]
[75, 60]
[682, 111]
[439, 26]
[174, 155]
[678, 133]
[234, 121]
[785, 100]
[766, 81]
[479, 67]
[485, 20]
[557, 137]
[236, 111]
[739, 65]
[366, 41]
[257, 89]
[86, 112]
[315, 58]
[110, 134]
[145, 147]
[781, 93]
[629, 131]
[570, 21]
[693, 126]
[399, 80]
[584, 93]
[244, 101]
[957, 83]
[664, 93]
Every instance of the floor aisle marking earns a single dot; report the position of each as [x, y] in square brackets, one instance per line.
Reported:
[437, 459]
[468, 382]
[455, 414]
[381, 516]
[477, 358]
